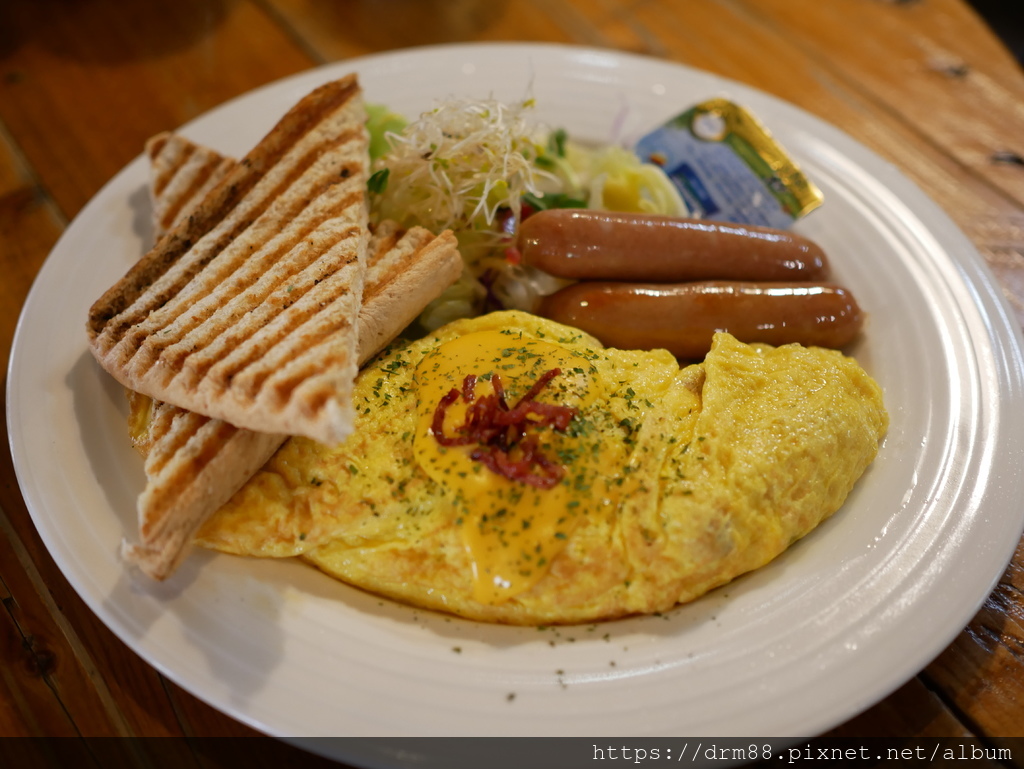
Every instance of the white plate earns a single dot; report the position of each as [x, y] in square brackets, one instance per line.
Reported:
[835, 624]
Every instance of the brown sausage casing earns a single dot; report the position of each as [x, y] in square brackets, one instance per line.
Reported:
[683, 317]
[581, 244]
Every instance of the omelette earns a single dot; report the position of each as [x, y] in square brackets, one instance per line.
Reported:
[510, 469]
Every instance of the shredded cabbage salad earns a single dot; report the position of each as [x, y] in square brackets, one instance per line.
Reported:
[478, 167]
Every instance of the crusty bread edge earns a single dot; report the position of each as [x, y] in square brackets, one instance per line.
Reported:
[438, 265]
[221, 199]
[237, 460]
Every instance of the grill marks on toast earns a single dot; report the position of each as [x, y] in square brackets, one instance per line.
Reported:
[275, 372]
[229, 254]
[167, 438]
[184, 451]
[195, 463]
[266, 292]
[185, 443]
[107, 319]
[231, 299]
[388, 259]
[410, 270]
[181, 174]
[209, 462]
[165, 271]
[168, 157]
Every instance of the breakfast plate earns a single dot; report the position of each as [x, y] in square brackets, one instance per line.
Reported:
[833, 625]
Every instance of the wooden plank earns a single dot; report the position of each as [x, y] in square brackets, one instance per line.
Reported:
[224, 742]
[28, 706]
[104, 689]
[39, 659]
[951, 66]
[29, 226]
[912, 723]
[334, 31]
[982, 672]
[912, 712]
[619, 28]
[52, 683]
[980, 75]
[107, 689]
[70, 97]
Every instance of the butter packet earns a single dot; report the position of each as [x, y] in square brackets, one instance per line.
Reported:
[727, 166]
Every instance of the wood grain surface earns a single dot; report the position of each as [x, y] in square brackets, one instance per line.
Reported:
[83, 84]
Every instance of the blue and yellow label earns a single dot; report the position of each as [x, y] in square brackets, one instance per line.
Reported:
[728, 167]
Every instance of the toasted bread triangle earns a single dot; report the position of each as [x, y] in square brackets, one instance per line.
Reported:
[246, 310]
[194, 464]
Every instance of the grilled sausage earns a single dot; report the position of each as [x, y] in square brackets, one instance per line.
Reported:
[683, 317]
[581, 244]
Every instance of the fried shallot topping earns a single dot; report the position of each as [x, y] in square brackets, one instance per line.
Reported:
[499, 431]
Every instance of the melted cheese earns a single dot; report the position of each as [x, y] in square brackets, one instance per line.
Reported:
[512, 530]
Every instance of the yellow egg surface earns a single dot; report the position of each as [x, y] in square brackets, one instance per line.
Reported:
[510, 469]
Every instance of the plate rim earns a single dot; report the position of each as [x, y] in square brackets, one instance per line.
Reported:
[977, 270]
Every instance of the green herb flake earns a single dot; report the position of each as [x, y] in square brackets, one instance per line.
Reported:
[378, 182]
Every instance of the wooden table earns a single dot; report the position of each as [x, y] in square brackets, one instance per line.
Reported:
[924, 84]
